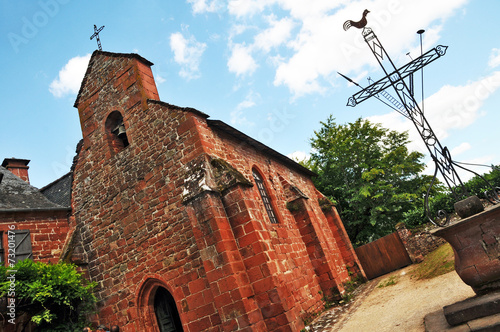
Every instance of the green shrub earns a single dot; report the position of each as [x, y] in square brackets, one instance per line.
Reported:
[56, 296]
[477, 186]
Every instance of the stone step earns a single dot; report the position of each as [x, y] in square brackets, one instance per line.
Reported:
[472, 308]
[486, 324]
[436, 322]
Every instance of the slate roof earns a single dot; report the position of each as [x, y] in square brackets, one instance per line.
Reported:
[59, 191]
[18, 195]
[222, 126]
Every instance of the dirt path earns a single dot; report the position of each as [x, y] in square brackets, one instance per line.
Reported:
[400, 307]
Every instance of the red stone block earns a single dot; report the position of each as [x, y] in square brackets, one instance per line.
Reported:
[263, 285]
[197, 285]
[227, 284]
[230, 325]
[272, 310]
[222, 300]
[200, 325]
[205, 311]
[255, 273]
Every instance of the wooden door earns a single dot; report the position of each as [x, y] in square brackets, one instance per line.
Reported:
[383, 256]
[166, 312]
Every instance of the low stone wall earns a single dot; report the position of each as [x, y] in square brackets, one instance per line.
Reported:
[418, 242]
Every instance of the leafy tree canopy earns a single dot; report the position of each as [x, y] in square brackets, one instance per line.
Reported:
[370, 174]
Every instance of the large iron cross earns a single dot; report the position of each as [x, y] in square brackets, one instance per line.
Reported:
[395, 78]
[408, 106]
[96, 34]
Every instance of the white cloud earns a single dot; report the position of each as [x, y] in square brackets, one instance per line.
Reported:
[204, 6]
[460, 149]
[459, 106]
[70, 77]
[241, 61]
[241, 8]
[299, 156]
[321, 47]
[245, 104]
[475, 165]
[494, 60]
[278, 33]
[187, 53]
[160, 79]
[238, 116]
[452, 107]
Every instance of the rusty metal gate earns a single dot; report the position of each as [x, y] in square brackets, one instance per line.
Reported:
[383, 256]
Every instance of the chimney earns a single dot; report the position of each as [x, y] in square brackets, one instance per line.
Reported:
[18, 167]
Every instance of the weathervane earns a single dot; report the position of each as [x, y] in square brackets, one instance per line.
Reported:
[360, 24]
[407, 106]
[96, 34]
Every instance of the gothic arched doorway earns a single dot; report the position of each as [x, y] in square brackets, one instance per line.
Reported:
[166, 312]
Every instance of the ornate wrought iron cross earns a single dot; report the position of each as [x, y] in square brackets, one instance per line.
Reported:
[407, 106]
[96, 34]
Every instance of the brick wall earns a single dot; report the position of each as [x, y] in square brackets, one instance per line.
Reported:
[177, 208]
[48, 232]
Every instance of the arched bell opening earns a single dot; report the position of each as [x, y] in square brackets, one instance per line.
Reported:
[116, 133]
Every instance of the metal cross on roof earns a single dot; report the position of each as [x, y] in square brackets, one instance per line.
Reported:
[406, 105]
[96, 34]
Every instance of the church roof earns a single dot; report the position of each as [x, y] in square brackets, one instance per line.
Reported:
[59, 191]
[222, 126]
[17, 195]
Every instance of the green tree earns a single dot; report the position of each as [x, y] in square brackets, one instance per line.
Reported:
[56, 296]
[478, 186]
[370, 174]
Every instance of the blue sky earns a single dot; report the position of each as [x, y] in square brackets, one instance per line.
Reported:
[267, 67]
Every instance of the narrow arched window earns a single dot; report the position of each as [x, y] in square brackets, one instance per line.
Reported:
[265, 197]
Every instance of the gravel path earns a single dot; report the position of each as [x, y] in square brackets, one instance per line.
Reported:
[400, 307]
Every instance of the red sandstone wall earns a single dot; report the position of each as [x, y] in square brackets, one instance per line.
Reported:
[128, 204]
[226, 266]
[304, 254]
[48, 232]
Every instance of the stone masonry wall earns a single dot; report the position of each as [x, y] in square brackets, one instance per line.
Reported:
[302, 249]
[418, 243]
[128, 204]
[48, 232]
[177, 208]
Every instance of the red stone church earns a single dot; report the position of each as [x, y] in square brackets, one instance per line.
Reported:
[186, 223]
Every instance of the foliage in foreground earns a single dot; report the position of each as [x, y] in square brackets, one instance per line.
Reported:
[445, 200]
[56, 296]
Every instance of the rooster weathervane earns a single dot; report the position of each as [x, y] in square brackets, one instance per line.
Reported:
[360, 24]
[401, 80]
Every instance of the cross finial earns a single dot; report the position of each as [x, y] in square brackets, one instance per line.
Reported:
[96, 34]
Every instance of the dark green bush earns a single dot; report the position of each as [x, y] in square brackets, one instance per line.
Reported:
[444, 200]
[56, 296]
[477, 186]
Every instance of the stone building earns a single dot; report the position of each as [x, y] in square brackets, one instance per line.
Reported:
[188, 224]
[37, 226]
